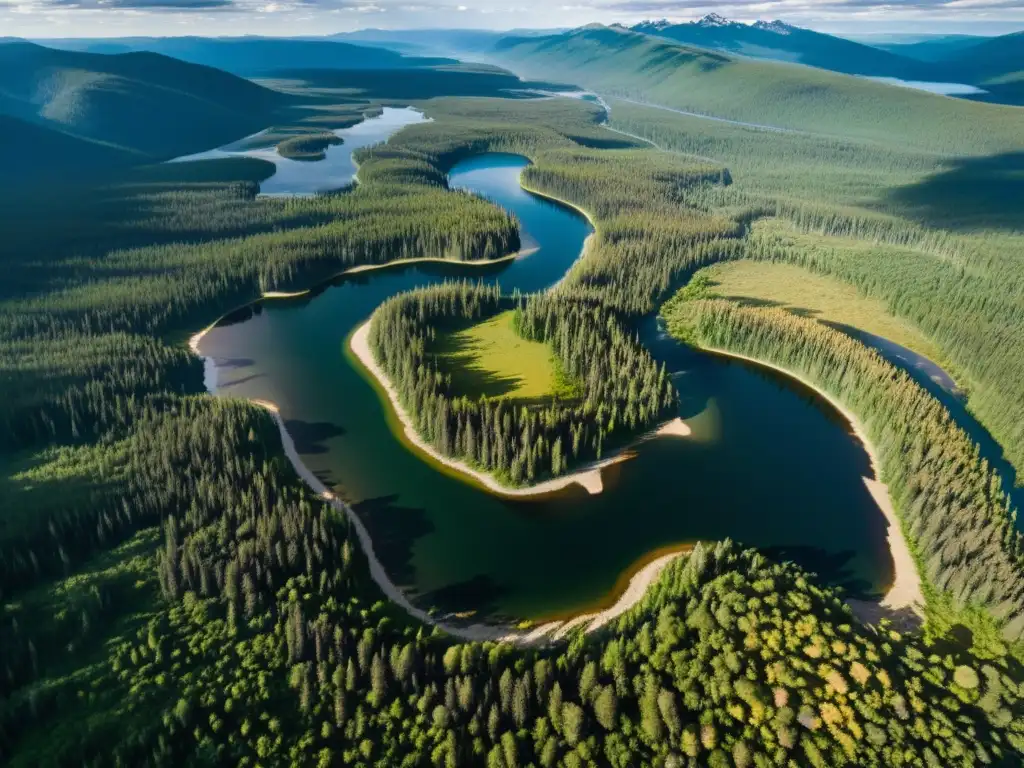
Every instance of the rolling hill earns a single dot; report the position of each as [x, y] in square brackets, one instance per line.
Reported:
[784, 42]
[933, 49]
[626, 64]
[141, 106]
[435, 42]
[990, 60]
[254, 56]
[33, 149]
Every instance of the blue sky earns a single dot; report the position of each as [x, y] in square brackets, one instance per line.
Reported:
[109, 18]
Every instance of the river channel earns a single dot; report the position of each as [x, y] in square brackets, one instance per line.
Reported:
[769, 463]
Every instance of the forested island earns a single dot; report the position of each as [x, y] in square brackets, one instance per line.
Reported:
[173, 593]
[311, 147]
[616, 389]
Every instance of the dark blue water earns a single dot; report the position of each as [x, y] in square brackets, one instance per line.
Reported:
[768, 463]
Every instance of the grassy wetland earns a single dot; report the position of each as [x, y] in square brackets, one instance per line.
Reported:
[172, 593]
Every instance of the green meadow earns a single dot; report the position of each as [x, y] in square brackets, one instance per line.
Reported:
[490, 359]
[806, 293]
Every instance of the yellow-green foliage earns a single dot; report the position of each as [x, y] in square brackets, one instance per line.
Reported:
[813, 295]
[490, 359]
[936, 238]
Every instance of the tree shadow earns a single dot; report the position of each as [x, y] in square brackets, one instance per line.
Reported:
[478, 596]
[234, 383]
[904, 619]
[758, 303]
[310, 436]
[971, 192]
[832, 567]
[394, 530]
[235, 362]
[457, 356]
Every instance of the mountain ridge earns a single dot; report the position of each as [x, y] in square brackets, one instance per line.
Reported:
[777, 40]
[123, 108]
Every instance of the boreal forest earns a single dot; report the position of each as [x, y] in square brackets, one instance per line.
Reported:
[629, 395]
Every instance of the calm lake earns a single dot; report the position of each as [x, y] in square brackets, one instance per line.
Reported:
[302, 177]
[943, 89]
[769, 463]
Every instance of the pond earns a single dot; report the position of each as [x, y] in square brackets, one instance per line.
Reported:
[769, 463]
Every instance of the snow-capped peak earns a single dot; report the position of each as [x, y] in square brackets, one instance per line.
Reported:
[778, 27]
[714, 20]
[659, 25]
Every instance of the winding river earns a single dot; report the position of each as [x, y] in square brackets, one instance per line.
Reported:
[769, 463]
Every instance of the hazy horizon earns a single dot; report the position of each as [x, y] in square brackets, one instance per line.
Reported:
[40, 19]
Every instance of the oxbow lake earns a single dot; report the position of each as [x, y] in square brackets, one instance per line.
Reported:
[769, 463]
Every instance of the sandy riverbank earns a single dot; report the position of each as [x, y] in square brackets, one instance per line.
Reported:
[904, 599]
[544, 633]
[588, 476]
[478, 632]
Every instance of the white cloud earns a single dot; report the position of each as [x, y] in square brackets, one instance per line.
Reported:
[314, 17]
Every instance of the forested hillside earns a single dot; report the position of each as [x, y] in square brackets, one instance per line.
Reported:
[254, 56]
[953, 508]
[908, 228]
[149, 105]
[989, 60]
[786, 42]
[618, 62]
[173, 594]
[53, 152]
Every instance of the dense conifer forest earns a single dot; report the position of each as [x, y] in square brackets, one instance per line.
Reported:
[937, 239]
[622, 391]
[173, 594]
[951, 504]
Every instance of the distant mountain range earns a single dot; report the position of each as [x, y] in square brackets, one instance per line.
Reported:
[253, 56]
[995, 65]
[784, 42]
[68, 110]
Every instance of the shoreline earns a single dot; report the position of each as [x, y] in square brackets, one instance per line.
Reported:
[905, 593]
[588, 475]
[547, 632]
[587, 242]
[194, 340]
[544, 633]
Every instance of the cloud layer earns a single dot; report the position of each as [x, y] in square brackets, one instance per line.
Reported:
[56, 18]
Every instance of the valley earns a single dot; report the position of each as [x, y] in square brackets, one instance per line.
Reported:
[334, 430]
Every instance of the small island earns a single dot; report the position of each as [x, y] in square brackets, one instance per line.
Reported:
[523, 393]
[308, 147]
